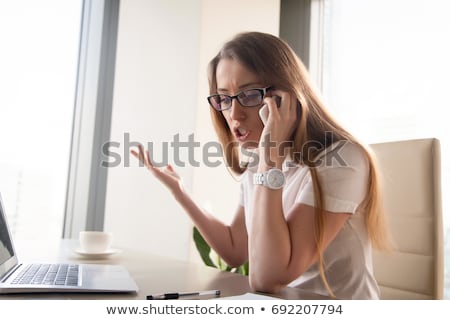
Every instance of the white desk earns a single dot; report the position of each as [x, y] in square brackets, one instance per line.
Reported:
[155, 275]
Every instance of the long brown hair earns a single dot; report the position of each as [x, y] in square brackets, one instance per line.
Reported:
[277, 65]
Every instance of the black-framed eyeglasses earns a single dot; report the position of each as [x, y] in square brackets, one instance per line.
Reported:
[247, 98]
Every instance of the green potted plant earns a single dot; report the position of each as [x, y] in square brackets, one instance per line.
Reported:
[205, 252]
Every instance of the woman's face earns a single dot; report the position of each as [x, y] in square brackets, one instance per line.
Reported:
[244, 122]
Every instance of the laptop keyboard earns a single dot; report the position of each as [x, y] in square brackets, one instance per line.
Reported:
[49, 274]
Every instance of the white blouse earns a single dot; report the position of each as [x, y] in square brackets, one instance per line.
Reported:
[343, 172]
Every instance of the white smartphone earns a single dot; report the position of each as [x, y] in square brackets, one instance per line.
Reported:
[264, 113]
[264, 110]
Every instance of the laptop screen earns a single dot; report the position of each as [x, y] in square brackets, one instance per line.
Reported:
[6, 250]
[6, 246]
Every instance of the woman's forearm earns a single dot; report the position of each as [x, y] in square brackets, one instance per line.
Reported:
[229, 241]
[269, 241]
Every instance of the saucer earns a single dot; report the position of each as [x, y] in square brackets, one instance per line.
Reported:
[97, 254]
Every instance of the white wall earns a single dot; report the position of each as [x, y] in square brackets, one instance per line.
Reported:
[157, 61]
[160, 90]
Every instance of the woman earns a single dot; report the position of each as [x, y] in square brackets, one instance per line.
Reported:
[309, 210]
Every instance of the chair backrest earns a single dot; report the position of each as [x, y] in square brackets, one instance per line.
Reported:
[411, 180]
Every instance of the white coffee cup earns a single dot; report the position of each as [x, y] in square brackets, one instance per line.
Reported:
[95, 241]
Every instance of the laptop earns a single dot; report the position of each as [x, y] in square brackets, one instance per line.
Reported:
[16, 277]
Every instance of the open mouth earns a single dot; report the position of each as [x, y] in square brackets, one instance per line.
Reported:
[241, 134]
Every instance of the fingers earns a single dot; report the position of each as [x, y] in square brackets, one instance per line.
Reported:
[137, 155]
[287, 107]
[148, 158]
[287, 101]
[144, 157]
[282, 120]
[271, 104]
[170, 169]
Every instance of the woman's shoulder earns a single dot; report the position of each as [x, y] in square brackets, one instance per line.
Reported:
[343, 153]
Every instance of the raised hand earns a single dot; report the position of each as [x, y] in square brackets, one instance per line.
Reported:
[280, 125]
[166, 175]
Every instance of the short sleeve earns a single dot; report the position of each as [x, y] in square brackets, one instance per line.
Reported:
[343, 174]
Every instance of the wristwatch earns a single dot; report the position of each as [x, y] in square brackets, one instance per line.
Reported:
[273, 179]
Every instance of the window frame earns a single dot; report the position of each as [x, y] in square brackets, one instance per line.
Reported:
[86, 186]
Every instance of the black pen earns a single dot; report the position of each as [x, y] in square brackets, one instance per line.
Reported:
[176, 295]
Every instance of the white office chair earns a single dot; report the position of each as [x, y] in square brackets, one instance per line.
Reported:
[411, 180]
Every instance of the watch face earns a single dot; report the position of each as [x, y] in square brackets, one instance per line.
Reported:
[275, 179]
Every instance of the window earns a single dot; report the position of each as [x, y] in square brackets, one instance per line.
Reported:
[39, 57]
[384, 73]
